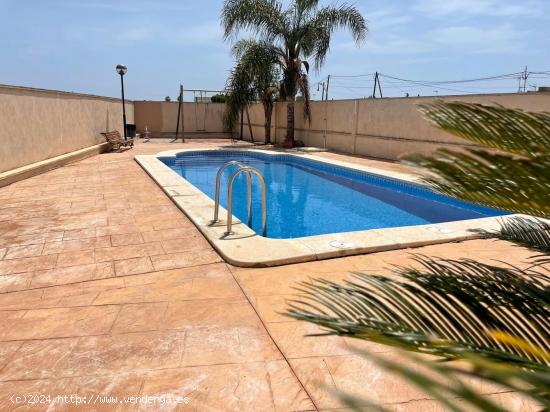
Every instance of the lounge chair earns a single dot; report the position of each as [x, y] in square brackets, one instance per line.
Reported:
[116, 141]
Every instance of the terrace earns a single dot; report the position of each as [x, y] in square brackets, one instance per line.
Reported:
[107, 288]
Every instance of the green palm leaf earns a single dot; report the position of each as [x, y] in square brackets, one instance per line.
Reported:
[530, 233]
[444, 305]
[497, 127]
[445, 381]
[495, 180]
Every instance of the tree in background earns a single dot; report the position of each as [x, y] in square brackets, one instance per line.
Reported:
[254, 78]
[301, 31]
[218, 98]
[495, 318]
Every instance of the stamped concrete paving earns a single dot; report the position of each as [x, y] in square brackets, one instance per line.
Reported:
[106, 288]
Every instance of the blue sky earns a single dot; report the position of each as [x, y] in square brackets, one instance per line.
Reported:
[74, 45]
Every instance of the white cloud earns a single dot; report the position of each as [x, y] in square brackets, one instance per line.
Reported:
[498, 39]
[442, 8]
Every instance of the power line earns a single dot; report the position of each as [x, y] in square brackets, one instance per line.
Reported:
[474, 85]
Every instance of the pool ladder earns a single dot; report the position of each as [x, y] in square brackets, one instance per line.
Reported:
[249, 171]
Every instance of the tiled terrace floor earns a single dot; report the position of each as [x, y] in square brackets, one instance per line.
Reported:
[106, 288]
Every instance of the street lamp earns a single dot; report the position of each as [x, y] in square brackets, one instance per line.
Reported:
[121, 69]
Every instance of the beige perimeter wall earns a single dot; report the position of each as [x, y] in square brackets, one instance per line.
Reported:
[38, 124]
[199, 119]
[382, 128]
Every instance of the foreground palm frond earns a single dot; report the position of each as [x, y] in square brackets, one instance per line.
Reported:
[494, 180]
[447, 382]
[517, 178]
[443, 306]
[510, 130]
[530, 233]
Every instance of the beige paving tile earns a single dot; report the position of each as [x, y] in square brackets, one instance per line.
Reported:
[18, 252]
[59, 322]
[12, 266]
[126, 239]
[18, 281]
[210, 286]
[271, 308]
[79, 233]
[76, 245]
[166, 234]
[128, 251]
[72, 274]
[37, 359]
[7, 351]
[210, 312]
[182, 245]
[79, 257]
[141, 317]
[184, 259]
[216, 345]
[315, 376]
[136, 352]
[249, 386]
[119, 386]
[291, 338]
[133, 266]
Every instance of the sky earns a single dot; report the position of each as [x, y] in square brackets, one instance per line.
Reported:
[74, 45]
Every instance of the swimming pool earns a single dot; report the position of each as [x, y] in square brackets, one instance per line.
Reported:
[306, 197]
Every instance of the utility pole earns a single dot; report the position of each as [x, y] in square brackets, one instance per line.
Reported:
[523, 77]
[328, 83]
[376, 83]
[180, 115]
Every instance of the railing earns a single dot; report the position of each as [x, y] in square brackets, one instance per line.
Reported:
[249, 172]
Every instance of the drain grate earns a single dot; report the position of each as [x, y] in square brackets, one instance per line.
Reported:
[338, 244]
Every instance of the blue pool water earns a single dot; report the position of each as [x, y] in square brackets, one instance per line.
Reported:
[306, 197]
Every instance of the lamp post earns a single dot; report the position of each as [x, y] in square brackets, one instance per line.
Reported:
[121, 69]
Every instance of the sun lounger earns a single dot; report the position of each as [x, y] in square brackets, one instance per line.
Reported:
[116, 141]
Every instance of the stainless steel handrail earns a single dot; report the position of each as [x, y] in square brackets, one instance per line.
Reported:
[218, 182]
[249, 170]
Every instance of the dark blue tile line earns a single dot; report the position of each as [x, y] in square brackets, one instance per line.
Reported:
[410, 188]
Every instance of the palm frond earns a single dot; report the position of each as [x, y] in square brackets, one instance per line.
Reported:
[253, 78]
[447, 304]
[446, 382]
[496, 180]
[263, 17]
[510, 130]
[317, 31]
[530, 233]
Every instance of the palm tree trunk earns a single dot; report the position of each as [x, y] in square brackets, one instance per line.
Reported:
[290, 120]
[268, 110]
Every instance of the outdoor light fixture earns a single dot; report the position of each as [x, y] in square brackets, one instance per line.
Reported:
[121, 69]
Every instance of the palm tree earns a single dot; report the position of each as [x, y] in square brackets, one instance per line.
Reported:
[495, 318]
[255, 77]
[301, 31]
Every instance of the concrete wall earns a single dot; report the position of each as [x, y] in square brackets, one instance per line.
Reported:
[161, 118]
[382, 128]
[38, 124]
